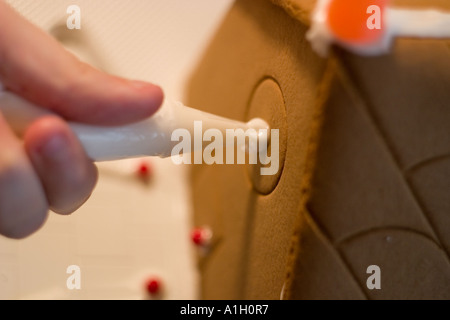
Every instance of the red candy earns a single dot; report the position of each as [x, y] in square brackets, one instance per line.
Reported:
[153, 286]
[197, 237]
[144, 171]
[201, 236]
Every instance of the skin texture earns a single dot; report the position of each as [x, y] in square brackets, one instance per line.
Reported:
[49, 169]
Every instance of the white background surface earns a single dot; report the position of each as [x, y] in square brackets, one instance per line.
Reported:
[127, 231]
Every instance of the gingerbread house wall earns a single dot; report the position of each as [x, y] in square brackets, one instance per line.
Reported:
[364, 176]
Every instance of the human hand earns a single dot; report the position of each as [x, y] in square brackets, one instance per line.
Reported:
[49, 169]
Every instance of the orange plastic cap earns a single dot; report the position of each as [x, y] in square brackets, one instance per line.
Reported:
[348, 20]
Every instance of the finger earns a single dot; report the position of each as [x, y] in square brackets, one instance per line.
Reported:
[67, 175]
[23, 206]
[37, 67]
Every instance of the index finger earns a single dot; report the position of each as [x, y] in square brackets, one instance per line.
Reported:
[37, 67]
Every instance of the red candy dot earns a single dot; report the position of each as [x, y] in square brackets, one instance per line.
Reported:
[144, 170]
[153, 286]
[197, 236]
[201, 236]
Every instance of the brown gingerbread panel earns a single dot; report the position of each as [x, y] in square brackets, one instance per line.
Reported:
[269, 68]
[412, 266]
[361, 179]
[430, 182]
[362, 203]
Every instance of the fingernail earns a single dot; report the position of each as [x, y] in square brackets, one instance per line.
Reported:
[57, 148]
[143, 85]
[139, 84]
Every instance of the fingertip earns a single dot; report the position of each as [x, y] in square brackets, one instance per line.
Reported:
[40, 131]
[148, 96]
[27, 227]
[66, 173]
[23, 205]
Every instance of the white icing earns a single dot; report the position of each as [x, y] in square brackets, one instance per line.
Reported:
[418, 23]
[320, 34]
[151, 137]
[18, 112]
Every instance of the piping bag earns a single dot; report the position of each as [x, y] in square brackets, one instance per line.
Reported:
[150, 137]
